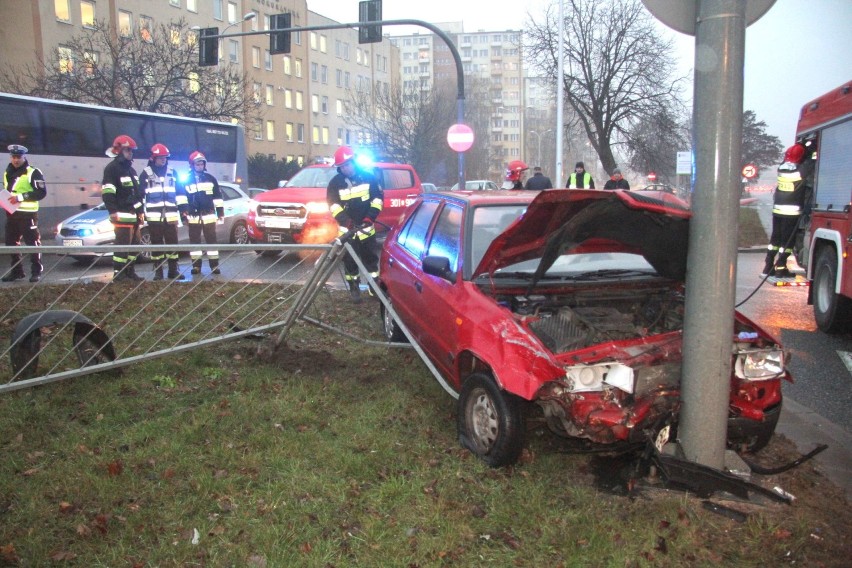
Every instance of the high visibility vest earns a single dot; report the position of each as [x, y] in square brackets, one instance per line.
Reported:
[24, 184]
[572, 180]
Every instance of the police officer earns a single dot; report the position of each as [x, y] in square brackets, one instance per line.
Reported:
[355, 200]
[161, 209]
[201, 208]
[26, 187]
[580, 178]
[123, 199]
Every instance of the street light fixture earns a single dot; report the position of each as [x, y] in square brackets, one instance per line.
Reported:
[539, 135]
[246, 17]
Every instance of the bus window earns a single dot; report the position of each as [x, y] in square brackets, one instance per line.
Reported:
[139, 128]
[179, 138]
[21, 126]
[72, 132]
[218, 144]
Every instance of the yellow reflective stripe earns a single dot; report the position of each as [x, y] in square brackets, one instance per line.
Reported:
[218, 203]
[108, 188]
[335, 209]
[360, 191]
[124, 217]
[377, 203]
[181, 200]
[786, 209]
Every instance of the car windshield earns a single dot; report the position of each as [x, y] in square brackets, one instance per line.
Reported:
[312, 177]
[488, 222]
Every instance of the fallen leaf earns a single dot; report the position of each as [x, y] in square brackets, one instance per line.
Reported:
[83, 530]
[305, 547]
[8, 555]
[65, 507]
[30, 472]
[663, 525]
[218, 530]
[115, 468]
[168, 473]
[782, 534]
[62, 556]
[661, 545]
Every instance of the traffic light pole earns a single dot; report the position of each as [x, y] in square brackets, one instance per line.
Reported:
[432, 28]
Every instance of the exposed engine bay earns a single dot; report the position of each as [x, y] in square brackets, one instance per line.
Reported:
[566, 322]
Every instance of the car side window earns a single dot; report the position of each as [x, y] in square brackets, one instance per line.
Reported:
[412, 237]
[228, 193]
[396, 179]
[447, 235]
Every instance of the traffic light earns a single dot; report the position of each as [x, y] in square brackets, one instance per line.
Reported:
[279, 42]
[370, 11]
[208, 47]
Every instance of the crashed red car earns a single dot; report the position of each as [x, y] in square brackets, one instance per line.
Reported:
[571, 301]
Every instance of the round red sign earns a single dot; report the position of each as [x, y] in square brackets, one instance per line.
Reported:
[460, 137]
[749, 171]
[652, 176]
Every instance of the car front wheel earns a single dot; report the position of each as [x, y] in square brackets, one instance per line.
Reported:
[831, 311]
[239, 233]
[490, 421]
[392, 331]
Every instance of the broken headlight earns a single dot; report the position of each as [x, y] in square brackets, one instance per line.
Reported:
[583, 378]
[759, 364]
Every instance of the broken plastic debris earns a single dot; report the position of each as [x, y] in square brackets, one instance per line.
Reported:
[789, 496]
[195, 536]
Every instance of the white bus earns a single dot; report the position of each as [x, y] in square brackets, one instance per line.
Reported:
[67, 142]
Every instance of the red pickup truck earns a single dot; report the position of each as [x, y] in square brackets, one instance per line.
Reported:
[298, 213]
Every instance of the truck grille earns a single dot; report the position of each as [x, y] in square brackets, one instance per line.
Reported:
[283, 211]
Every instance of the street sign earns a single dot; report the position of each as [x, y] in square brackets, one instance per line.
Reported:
[684, 163]
[681, 15]
[460, 137]
[749, 171]
[652, 176]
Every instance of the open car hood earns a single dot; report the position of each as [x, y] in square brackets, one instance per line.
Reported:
[561, 222]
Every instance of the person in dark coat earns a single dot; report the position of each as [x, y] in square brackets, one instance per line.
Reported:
[617, 181]
[538, 181]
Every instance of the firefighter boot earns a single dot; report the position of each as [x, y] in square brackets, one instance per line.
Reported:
[355, 291]
[196, 267]
[158, 272]
[214, 265]
[769, 265]
[174, 273]
[131, 272]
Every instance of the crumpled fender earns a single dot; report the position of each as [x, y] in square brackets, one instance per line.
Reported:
[26, 339]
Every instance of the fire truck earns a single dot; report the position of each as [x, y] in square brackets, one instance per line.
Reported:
[825, 126]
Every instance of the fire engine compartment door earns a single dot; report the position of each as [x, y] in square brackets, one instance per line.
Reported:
[834, 164]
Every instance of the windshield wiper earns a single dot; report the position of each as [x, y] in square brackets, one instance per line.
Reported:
[612, 273]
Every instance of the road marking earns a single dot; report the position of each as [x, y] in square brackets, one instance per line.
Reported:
[846, 357]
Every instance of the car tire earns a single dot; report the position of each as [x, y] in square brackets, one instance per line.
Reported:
[490, 421]
[389, 326]
[239, 233]
[832, 312]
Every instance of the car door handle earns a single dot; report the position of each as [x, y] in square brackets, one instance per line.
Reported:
[418, 286]
[391, 262]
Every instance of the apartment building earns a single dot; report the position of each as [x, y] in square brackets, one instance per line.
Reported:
[300, 100]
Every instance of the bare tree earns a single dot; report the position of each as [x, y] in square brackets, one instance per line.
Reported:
[159, 73]
[618, 69]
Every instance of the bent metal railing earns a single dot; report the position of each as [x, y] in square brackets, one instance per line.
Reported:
[75, 321]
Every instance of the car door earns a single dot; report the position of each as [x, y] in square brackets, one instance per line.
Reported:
[400, 188]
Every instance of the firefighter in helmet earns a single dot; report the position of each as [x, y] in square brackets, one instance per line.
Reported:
[202, 208]
[355, 200]
[26, 188]
[123, 199]
[158, 183]
[514, 175]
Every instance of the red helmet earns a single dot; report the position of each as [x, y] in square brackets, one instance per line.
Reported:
[159, 151]
[195, 156]
[794, 153]
[513, 173]
[343, 155]
[122, 141]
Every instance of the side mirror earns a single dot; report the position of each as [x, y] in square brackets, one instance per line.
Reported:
[438, 266]
[282, 183]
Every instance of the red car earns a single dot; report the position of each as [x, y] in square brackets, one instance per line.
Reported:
[298, 213]
[567, 301]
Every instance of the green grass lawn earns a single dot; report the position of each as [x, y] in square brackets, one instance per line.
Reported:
[332, 453]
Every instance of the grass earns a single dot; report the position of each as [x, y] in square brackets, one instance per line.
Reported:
[328, 452]
[751, 231]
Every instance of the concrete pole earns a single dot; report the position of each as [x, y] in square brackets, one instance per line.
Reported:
[711, 275]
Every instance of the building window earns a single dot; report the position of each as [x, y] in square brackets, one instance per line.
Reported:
[192, 5]
[174, 35]
[267, 60]
[297, 38]
[314, 71]
[270, 90]
[346, 77]
[232, 13]
[267, 22]
[62, 9]
[315, 103]
[300, 133]
[255, 57]
[323, 46]
[90, 60]
[233, 50]
[338, 77]
[270, 130]
[358, 55]
[125, 23]
[258, 129]
[175, 3]
[316, 135]
[87, 14]
[288, 98]
[339, 105]
[288, 131]
[287, 63]
[324, 75]
[339, 136]
[297, 70]
[255, 91]
[146, 29]
[298, 100]
[217, 9]
[325, 105]
[314, 41]
[66, 60]
[325, 134]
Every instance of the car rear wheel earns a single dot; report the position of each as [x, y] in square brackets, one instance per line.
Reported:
[490, 421]
[832, 311]
[239, 233]
[392, 331]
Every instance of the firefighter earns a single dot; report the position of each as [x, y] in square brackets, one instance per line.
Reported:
[123, 199]
[202, 208]
[791, 194]
[515, 175]
[355, 200]
[158, 183]
[580, 178]
[26, 187]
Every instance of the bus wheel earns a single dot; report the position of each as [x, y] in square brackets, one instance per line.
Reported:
[832, 311]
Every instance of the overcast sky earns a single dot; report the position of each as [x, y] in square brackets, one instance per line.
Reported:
[794, 53]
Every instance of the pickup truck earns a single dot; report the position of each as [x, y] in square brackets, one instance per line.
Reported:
[298, 213]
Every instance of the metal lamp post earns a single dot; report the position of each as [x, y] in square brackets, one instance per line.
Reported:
[539, 136]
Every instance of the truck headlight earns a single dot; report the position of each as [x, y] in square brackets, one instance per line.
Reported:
[317, 207]
[759, 364]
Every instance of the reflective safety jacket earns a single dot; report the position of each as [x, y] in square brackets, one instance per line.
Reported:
[121, 193]
[26, 182]
[203, 199]
[351, 200]
[793, 190]
[161, 199]
[586, 183]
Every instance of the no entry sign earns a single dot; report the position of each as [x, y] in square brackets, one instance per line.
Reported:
[460, 137]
